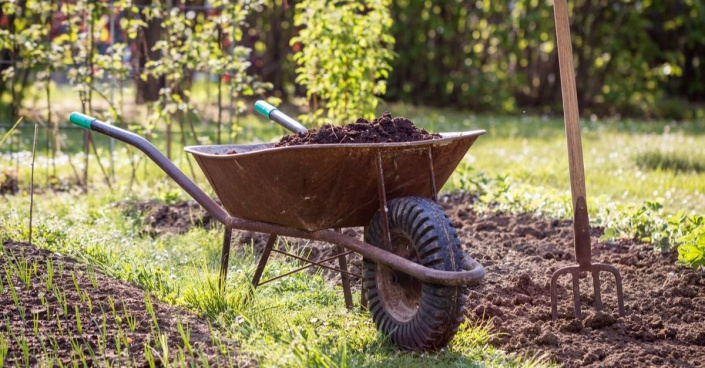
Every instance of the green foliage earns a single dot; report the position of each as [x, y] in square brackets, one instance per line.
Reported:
[499, 55]
[691, 250]
[193, 43]
[648, 223]
[645, 223]
[344, 61]
[190, 42]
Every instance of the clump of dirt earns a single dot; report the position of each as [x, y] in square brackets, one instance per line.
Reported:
[156, 218]
[383, 129]
[8, 183]
[69, 316]
[58, 184]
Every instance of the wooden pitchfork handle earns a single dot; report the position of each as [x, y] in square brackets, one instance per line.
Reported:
[581, 221]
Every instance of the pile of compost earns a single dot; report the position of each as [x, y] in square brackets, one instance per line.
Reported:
[384, 129]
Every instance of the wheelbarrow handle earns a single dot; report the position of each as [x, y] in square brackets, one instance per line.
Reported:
[93, 124]
[279, 117]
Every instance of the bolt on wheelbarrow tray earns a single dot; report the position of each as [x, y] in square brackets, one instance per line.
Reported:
[414, 272]
[323, 186]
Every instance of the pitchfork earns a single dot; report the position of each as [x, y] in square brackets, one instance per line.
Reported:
[581, 221]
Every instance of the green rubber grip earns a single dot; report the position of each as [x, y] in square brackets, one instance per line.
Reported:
[264, 108]
[84, 121]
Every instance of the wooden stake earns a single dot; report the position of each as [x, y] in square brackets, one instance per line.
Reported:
[31, 183]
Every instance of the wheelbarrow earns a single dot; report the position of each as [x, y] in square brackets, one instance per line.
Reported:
[415, 274]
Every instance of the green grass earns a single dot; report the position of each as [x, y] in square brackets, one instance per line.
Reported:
[677, 161]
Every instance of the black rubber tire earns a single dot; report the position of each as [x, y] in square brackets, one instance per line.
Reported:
[422, 225]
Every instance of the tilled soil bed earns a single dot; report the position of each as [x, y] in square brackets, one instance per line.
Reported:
[72, 314]
[665, 303]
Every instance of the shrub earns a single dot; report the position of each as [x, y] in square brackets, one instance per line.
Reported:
[344, 61]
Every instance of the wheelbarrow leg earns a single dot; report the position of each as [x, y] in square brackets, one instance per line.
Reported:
[224, 259]
[263, 259]
[363, 291]
[344, 279]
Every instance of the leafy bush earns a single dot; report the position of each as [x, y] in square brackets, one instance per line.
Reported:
[344, 61]
[691, 250]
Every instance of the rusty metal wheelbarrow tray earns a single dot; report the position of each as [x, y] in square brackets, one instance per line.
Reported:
[323, 186]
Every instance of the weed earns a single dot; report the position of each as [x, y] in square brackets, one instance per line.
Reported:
[76, 286]
[648, 223]
[23, 345]
[129, 318]
[149, 357]
[185, 336]
[79, 325]
[4, 348]
[59, 326]
[92, 276]
[77, 350]
[204, 360]
[49, 275]
[24, 270]
[111, 303]
[35, 324]
[62, 301]
[163, 344]
[150, 309]
[46, 305]
[89, 302]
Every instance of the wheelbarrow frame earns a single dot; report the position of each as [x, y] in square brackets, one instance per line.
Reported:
[382, 256]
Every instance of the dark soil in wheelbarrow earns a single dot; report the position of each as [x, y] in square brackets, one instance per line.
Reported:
[384, 129]
[79, 314]
[665, 303]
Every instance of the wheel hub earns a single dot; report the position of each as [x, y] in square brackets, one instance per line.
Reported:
[400, 293]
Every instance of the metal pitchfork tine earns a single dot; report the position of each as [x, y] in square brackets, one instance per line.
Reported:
[581, 221]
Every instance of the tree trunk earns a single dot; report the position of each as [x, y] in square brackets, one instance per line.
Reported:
[147, 91]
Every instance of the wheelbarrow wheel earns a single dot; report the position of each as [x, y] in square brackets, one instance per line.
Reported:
[415, 315]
